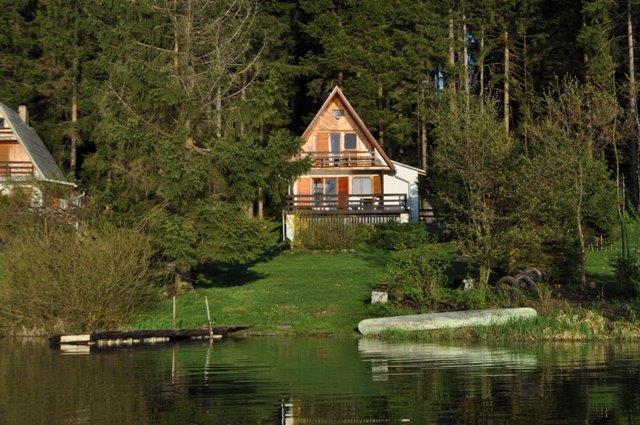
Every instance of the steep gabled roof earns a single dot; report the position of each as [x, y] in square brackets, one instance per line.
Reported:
[336, 92]
[38, 153]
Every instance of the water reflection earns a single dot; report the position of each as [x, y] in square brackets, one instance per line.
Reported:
[295, 381]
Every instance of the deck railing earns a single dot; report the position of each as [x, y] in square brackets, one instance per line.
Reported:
[11, 169]
[348, 159]
[349, 203]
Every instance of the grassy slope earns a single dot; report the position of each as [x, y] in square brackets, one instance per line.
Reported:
[318, 292]
[301, 292]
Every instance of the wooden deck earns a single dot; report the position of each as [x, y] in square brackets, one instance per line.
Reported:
[346, 159]
[348, 204]
[12, 169]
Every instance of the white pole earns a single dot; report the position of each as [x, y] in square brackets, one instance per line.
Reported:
[206, 301]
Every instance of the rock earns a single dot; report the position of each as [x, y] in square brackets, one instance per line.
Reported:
[379, 297]
[468, 284]
[452, 319]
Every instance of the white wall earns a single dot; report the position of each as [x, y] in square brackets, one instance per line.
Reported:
[405, 181]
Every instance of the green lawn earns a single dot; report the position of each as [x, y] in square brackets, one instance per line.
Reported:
[304, 292]
[299, 292]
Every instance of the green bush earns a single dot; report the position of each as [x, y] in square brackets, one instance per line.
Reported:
[333, 233]
[416, 276]
[396, 236]
[54, 278]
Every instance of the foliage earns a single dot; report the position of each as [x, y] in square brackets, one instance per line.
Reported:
[474, 167]
[570, 192]
[627, 264]
[55, 278]
[394, 235]
[321, 233]
[416, 276]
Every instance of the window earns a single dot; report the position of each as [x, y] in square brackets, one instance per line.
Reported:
[1, 122]
[338, 113]
[361, 186]
[335, 142]
[328, 186]
[350, 141]
[323, 187]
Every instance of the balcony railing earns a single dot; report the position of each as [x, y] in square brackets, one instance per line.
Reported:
[349, 203]
[347, 159]
[16, 169]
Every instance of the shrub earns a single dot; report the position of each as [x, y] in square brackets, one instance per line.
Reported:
[54, 278]
[396, 236]
[317, 233]
[416, 276]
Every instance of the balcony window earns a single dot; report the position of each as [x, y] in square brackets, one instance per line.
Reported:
[325, 186]
[361, 186]
[335, 143]
[350, 141]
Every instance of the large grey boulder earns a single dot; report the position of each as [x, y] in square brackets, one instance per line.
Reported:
[452, 319]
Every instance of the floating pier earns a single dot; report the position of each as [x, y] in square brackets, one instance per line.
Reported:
[68, 342]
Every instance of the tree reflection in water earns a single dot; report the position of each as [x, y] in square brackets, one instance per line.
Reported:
[321, 380]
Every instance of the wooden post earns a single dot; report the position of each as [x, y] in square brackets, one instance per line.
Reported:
[173, 317]
[206, 302]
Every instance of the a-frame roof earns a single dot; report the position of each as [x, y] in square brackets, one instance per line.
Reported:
[337, 93]
[38, 153]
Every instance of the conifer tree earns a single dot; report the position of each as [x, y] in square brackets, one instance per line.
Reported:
[169, 155]
[65, 31]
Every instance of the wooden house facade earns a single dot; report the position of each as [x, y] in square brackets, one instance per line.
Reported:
[350, 174]
[24, 159]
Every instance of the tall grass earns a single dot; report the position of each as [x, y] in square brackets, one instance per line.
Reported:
[55, 278]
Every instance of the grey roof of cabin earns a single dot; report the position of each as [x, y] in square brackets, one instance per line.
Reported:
[34, 146]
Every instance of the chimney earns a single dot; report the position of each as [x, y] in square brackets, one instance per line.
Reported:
[24, 113]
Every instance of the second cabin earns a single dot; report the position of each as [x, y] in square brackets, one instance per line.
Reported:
[350, 174]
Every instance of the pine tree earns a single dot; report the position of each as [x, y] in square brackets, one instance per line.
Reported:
[170, 152]
[18, 51]
[65, 31]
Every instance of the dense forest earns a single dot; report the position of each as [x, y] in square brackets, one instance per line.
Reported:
[180, 117]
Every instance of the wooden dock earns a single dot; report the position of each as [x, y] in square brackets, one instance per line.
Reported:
[138, 337]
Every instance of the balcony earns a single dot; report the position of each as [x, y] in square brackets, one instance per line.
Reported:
[16, 170]
[349, 204]
[348, 159]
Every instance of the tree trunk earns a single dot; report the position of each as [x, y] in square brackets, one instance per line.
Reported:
[506, 99]
[452, 53]
[423, 143]
[481, 62]
[260, 204]
[381, 106]
[633, 113]
[243, 98]
[73, 154]
[465, 58]
[483, 282]
[218, 113]
[583, 253]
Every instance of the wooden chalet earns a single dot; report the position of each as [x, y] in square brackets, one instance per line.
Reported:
[350, 175]
[24, 159]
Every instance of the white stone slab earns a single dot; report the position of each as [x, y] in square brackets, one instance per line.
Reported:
[452, 319]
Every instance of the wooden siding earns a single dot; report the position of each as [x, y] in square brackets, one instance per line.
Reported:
[343, 192]
[327, 123]
[377, 185]
[322, 141]
[12, 151]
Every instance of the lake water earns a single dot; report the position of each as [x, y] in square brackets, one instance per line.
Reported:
[321, 381]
